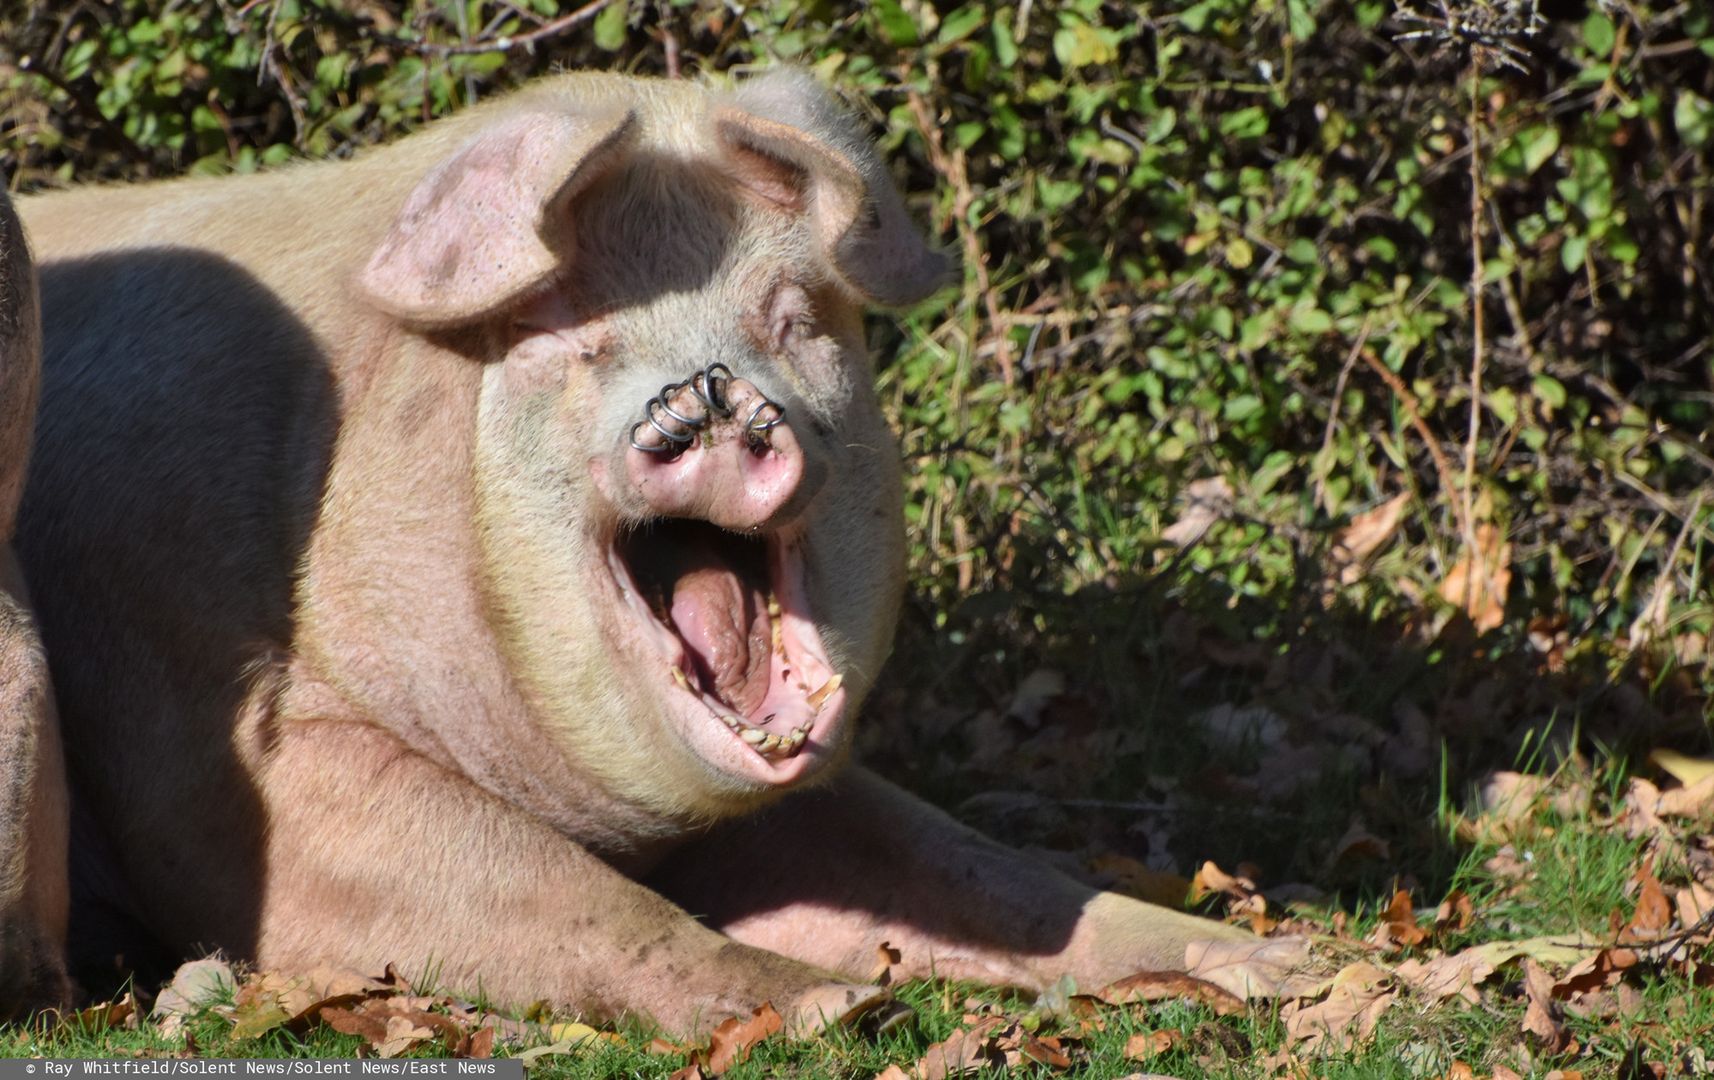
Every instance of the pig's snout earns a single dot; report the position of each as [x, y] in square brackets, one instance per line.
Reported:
[716, 448]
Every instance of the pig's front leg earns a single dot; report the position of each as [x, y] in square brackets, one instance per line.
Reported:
[377, 856]
[829, 875]
[33, 816]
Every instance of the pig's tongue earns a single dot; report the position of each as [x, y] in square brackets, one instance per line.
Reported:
[725, 626]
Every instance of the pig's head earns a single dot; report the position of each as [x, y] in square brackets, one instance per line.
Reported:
[688, 501]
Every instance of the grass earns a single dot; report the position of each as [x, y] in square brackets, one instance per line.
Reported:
[1578, 873]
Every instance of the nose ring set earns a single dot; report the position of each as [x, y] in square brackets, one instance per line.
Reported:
[708, 387]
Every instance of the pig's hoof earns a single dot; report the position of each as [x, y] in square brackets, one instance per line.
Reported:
[834, 1005]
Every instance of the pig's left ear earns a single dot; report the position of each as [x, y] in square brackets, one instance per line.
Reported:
[791, 145]
[487, 224]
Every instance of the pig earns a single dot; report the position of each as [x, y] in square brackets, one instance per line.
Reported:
[474, 555]
[33, 808]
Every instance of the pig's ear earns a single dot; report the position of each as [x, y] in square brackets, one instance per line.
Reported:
[790, 144]
[490, 222]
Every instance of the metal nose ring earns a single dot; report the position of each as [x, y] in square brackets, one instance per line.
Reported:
[707, 386]
[756, 427]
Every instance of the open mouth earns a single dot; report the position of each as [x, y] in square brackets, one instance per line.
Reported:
[729, 616]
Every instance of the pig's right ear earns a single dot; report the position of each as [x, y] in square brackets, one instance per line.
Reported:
[792, 145]
[489, 223]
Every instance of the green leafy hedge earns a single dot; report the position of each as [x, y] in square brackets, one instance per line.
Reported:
[1221, 238]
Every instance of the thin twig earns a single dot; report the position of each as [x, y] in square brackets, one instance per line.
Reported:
[1476, 317]
[1333, 409]
[503, 43]
[951, 166]
[1641, 630]
[1407, 401]
[521, 41]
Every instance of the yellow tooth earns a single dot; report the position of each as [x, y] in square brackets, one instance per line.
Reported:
[769, 744]
[731, 722]
[681, 678]
[798, 736]
[753, 735]
[773, 608]
[779, 639]
[826, 691]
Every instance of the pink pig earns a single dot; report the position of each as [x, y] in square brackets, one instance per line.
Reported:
[474, 556]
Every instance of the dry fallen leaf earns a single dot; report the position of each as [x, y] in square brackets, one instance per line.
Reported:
[1365, 535]
[1398, 928]
[1147, 1044]
[392, 1025]
[1690, 801]
[966, 1050]
[272, 999]
[403, 1033]
[1455, 913]
[478, 1044]
[1541, 1014]
[1017, 1046]
[1264, 968]
[1360, 993]
[1211, 879]
[1694, 903]
[1205, 502]
[1454, 975]
[1638, 816]
[1477, 584]
[1594, 973]
[108, 1014]
[1505, 801]
[730, 1043]
[1149, 986]
[1560, 950]
[885, 957]
[573, 1039]
[1686, 770]
[1653, 913]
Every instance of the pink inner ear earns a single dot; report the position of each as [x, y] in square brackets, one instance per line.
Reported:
[469, 237]
[779, 183]
[856, 214]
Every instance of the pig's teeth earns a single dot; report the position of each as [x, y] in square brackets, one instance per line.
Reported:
[731, 721]
[773, 608]
[680, 677]
[769, 744]
[826, 691]
[779, 637]
[753, 735]
[797, 737]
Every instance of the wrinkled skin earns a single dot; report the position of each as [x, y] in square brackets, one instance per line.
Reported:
[32, 789]
[386, 629]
